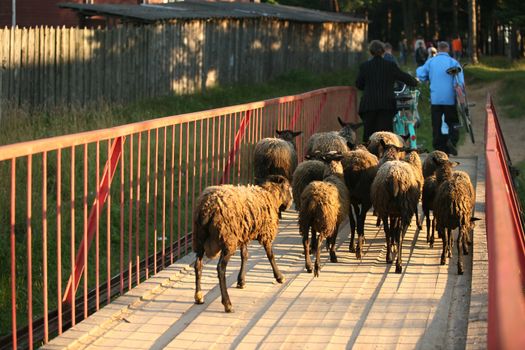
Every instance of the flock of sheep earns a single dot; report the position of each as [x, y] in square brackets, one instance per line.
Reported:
[339, 178]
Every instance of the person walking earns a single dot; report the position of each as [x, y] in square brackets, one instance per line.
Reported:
[376, 78]
[388, 53]
[421, 53]
[457, 47]
[442, 98]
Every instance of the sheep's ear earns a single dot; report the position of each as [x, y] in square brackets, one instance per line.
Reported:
[405, 137]
[356, 126]
[351, 146]
[296, 133]
[474, 219]
[341, 122]
[454, 163]
[382, 143]
[278, 132]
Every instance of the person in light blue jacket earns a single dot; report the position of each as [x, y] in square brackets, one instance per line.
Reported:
[442, 97]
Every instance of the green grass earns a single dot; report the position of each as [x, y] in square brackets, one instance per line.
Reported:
[511, 79]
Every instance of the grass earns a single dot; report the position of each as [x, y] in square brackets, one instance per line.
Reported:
[511, 79]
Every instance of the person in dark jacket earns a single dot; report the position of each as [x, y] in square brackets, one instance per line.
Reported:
[376, 78]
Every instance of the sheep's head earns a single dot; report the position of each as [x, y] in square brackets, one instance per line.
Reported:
[348, 130]
[333, 159]
[288, 135]
[391, 152]
[280, 187]
[444, 169]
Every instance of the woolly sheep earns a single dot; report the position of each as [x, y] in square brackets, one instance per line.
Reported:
[453, 206]
[324, 205]
[388, 138]
[360, 168]
[395, 193]
[333, 141]
[306, 172]
[226, 217]
[431, 162]
[276, 156]
[429, 190]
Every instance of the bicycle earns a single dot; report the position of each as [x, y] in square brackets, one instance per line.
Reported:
[462, 103]
[406, 119]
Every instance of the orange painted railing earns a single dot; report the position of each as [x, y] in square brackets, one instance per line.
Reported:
[506, 245]
[107, 209]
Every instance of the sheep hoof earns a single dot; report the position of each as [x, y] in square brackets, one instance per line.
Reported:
[228, 309]
[388, 261]
[199, 298]
[399, 269]
[443, 261]
[431, 244]
[351, 248]
[358, 254]
[333, 257]
[460, 270]
[280, 279]
[308, 268]
[316, 273]
[241, 285]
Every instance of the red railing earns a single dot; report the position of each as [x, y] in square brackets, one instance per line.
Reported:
[53, 195]
[506, 246]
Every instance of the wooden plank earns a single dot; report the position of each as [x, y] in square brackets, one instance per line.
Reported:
[4, 62]
[51, 68]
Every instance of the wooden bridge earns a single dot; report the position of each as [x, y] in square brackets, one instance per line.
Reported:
[352, 304]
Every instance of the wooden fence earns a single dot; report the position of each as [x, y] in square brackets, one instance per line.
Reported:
[44, 67]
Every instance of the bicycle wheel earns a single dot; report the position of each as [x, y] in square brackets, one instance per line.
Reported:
[465, 120]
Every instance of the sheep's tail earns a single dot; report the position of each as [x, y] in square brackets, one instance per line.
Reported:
[205, 238]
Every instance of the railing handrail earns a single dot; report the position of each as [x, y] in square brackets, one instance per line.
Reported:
[506, 245]
[21, 149]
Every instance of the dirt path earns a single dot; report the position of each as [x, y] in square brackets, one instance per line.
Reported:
[513, 129]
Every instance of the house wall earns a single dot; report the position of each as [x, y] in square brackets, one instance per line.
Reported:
[32, 13]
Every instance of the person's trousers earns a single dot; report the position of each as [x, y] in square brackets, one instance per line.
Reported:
[373, 121]
[439, 140]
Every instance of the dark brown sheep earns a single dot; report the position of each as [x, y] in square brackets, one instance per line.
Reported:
[333, 141]
[226, 217]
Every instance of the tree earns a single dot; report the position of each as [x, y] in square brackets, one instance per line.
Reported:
[473, 38]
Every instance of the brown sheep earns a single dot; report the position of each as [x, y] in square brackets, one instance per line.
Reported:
[226, 217]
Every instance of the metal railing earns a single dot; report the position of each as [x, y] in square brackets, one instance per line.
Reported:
[91, 215]
[506, 243]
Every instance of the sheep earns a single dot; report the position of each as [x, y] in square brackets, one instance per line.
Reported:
[395, 193]
[306, 172]
[360, 168]
[453, 205]
[276, 156]
[389, 138]
[324, 205]
[429, 190]
[336, 141]
[226, 217]
[430, 165]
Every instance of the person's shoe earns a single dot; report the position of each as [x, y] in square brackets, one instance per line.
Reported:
[451, 148]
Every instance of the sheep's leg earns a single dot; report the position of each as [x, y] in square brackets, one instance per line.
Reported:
[241, 278]
[332, 240]
[419, 224]
[460, 250]
[199, 298]
[465, 243]
[306, 246]
[427, 219]
[269, 253]
[450, 242]
[221, 271]
[314, 242]
[394, 226]
[361, 230]
[444, 238]
[399, 242]
[317, 266]
[388, 241]
[354, 213]
[433, 232]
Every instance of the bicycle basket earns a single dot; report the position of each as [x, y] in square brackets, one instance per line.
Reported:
[404, 100]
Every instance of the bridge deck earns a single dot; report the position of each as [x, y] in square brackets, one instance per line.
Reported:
[359, 304]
